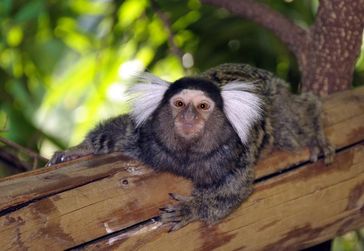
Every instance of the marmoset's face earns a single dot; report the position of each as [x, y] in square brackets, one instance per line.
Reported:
[190, 110]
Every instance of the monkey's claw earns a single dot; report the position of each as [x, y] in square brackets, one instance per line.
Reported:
[62, 156]
[314, 153]
[176, 216]
[329, 154]
[178, 197]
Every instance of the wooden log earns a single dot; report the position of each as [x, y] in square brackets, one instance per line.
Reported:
[109, 201]
[296, 210]
[344, 120]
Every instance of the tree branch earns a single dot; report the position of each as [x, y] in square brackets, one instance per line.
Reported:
[13, 162]
[35, 156]
[282, 27]
[22, 149]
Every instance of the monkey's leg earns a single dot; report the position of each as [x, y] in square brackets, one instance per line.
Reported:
[210, 204]
[117, 134]
[319, 143]
[298, 124]
[322, 142]
[323, 146]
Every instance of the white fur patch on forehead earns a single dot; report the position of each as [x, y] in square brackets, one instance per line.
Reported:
[242, 107]
[190, 95]
[146, 96]
[191, 92]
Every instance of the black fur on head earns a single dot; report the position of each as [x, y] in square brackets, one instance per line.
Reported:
[208, 87]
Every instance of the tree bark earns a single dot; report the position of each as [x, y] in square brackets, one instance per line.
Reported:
[326, 52]
[332, 46]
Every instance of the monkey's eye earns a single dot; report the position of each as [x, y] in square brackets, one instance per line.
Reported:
[204, 106]
[179, 103]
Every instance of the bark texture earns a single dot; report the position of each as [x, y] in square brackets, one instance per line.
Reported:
[332, 46]
[326, 52]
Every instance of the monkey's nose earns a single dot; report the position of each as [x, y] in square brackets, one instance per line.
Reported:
[190, 114]
[189, 118]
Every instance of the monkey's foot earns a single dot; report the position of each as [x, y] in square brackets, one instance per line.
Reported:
[327, 150]
[314, 153]
[63, 156]
[329, 154]
[178, 215]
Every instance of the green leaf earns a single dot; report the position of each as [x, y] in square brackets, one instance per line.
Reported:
[31, 10]
[5, 7]
[15, 36]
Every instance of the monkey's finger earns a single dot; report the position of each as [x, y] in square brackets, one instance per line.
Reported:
[57, 157]
[329, 154]
[171, 213]
[329, 159]
[178, 225]
[168, 218]
[179, 197]
[64, 156]
[171, 216]
[167, 209]
[314, 154]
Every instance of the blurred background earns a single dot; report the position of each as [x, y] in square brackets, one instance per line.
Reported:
[65, 65]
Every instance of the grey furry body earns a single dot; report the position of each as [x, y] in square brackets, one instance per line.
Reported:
[219, 163]
[291, 121]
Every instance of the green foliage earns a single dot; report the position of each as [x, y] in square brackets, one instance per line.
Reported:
[65, 65]
[350, 241]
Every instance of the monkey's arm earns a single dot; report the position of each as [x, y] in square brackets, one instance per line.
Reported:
[113, 135]
[212, 203]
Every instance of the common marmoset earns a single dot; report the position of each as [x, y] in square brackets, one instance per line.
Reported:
[211, 130]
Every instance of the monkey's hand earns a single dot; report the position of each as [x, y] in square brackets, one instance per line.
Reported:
[180, 214]
[210, 204]
[116, 134]
[69, 154]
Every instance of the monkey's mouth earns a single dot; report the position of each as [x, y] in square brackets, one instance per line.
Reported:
[188, 126]
[188, 130]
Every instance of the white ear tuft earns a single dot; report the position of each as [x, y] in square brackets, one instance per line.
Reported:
[146, 96]
[241, 106]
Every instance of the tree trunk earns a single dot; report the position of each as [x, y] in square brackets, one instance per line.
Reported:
[327, 52]
[332, 47]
